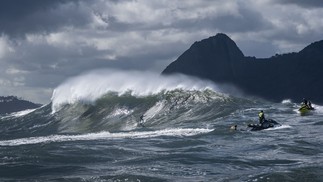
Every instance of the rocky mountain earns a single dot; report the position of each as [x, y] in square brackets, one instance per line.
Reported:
[287, 76]
[11, 104]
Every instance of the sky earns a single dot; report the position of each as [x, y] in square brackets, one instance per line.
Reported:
[45, 42]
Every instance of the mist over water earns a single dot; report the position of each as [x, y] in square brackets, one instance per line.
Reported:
[92, 131]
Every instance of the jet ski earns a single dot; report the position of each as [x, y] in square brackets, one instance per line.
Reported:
[268, 123]
[305, 110]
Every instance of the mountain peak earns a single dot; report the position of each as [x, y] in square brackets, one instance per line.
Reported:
[222, 36]
[221, 46]
[209, 58]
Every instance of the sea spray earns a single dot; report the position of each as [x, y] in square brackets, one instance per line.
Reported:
[90, 86]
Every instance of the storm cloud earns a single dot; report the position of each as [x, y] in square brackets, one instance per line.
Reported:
[18, 18]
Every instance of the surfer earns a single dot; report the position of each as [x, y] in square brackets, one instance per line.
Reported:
[261, 116]
[141, 121]
[304, 103]
[234, 127]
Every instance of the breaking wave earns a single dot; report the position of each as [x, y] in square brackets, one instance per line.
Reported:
[92, 85]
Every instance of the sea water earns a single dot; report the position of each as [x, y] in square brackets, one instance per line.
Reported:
[92, 132]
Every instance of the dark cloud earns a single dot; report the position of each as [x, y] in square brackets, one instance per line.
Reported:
[39, 16]
[303, 3]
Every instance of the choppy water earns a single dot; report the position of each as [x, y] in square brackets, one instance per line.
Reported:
[185, 136]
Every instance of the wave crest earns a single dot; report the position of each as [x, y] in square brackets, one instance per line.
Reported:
[89, 87]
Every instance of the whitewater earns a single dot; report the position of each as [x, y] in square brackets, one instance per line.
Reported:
[92, 131]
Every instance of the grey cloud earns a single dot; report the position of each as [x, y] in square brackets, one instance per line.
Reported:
[250, 20]
[154, 58]
[55, 63]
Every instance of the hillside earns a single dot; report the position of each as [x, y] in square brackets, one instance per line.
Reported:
[11, 104]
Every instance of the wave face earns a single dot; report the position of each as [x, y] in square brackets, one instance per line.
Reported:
[92, 131]
[113, 112]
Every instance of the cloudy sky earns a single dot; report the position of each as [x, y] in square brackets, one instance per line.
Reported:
[44, 42]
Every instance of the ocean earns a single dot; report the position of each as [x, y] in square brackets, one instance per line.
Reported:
[91, 131]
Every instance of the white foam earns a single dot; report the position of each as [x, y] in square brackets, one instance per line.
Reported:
[279, 127]
[105, 136]
[318, 108]
[120, 112]
[90, 86]
[286, 101]
[22, 113]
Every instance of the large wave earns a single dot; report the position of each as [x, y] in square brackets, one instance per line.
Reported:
[89, 87]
